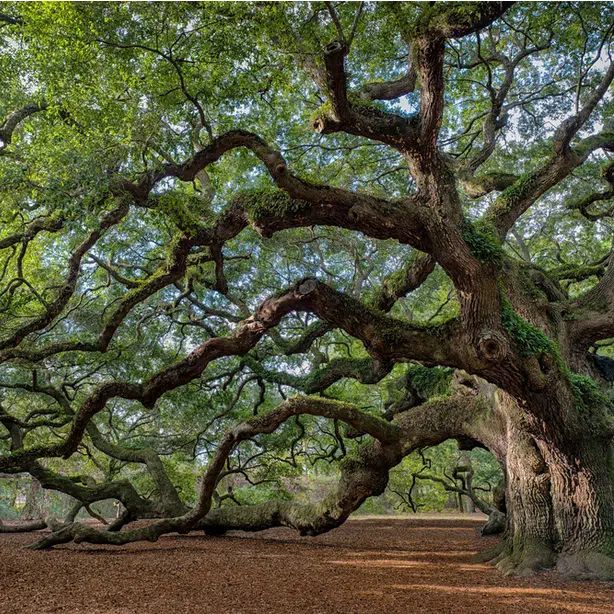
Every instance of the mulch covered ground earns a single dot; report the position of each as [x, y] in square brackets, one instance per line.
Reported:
[417, 564]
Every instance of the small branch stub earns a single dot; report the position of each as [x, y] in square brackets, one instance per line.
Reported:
[307, 286]
[336, 47]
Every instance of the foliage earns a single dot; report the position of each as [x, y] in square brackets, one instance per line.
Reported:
[131, 91]
[430, 381]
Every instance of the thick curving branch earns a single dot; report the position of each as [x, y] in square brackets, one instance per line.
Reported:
[68, 286]
[386, 338]
[245, 337]
[527, 189]
[449, 20]
[400, 283]
[268, 212]
[12, 121]
[389, 90]
[87, 491]
[583, 204]
[352, 115]
[476, 186]
[380, 429]
[597, 308]
[22, 527]
[41, 224]
[362, 475]
[311, 203]
[168, 498]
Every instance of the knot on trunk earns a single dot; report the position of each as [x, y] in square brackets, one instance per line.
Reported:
[325, 125]
[319, 125]
[492, 346]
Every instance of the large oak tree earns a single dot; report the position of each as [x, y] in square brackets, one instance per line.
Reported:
[208, 206]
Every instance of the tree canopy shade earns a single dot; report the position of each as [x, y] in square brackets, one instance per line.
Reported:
[240, 235]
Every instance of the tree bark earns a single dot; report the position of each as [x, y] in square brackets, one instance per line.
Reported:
[529, 539]
[33, 509]
[560, 505]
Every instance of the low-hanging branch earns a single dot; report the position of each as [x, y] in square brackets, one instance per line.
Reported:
[362, 476]
[372, 328]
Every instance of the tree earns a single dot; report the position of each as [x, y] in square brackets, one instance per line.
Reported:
[427, 219]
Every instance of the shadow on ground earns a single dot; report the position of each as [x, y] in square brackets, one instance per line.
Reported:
[416, 564]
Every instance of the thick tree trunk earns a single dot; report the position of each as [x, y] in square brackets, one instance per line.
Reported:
[583, 504]
[560, 503]
[33, 508]
[529, 539]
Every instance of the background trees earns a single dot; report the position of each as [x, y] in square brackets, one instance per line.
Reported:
[396, 212]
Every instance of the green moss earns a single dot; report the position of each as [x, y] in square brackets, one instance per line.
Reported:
[261, 204]
[185, 210]
[483, 241]
[430, 381]
[361, 103]
[606, 170]
[508, 199]
[590, 143]
[518, 188]
[486, 182]
[533, 342]
[576, 272]
[530, 340]
[324, 110]
[524, 276]
[586, 390]
[356, 101]
[393, 286]
[395, 282]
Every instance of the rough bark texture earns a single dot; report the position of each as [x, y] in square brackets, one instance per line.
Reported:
[518, 329]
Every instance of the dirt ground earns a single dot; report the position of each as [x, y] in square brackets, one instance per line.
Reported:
[416, 564]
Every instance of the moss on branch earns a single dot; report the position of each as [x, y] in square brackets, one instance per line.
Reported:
[265, 203]
[587, 391]
[430, 381]
[530, 340]
[483, 241]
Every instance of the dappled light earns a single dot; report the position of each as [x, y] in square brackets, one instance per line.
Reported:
[357, 568]
[306, 306]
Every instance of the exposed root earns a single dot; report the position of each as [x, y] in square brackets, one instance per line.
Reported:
[490, 555]
[534, 556]
[586, 565]
[526, 560]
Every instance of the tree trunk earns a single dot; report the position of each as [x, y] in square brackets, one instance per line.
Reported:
[583, 504]
[529, 538]
[560, 503]
[33, 508]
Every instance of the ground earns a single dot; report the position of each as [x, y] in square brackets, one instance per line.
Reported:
[421, 563]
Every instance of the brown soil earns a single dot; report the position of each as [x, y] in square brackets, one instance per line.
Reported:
[417, 564]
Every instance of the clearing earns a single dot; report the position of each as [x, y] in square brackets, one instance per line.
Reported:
[418, 563]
